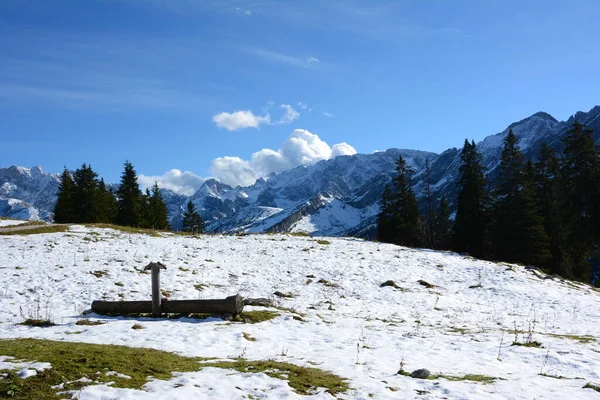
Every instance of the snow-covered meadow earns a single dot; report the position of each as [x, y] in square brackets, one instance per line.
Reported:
[337, 318]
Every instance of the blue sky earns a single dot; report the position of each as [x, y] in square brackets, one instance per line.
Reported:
[159, 82]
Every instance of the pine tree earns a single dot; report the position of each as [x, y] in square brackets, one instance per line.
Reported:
[470, 228]
[129, 195]
[385, 218]
[107, 204]
[400, 218]
[64, 207]
[505, 211]
[86, 194]
[429, 228]
[192, 222]
[158, 217]
[580, 185]
[549, 203]
[530, 243]
[442, 226]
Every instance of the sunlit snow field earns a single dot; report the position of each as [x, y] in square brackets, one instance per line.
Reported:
[345, 322]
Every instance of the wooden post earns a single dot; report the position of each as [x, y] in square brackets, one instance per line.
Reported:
[155, 268]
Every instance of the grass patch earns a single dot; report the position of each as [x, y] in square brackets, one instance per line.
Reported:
[324, 242]
[72, 361]
[40, 323]
[455, 329]
[248, 337]
[99, 274]
[41, 229]
[137, 326]
[580, 339]
[303, 380]
[87, 322]
[286, 295]
[120, 284]
[533, 343]
[301, 234]
[254, 317]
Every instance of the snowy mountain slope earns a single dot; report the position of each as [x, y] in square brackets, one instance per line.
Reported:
[333, 197]
[339, 319]
[27, 193]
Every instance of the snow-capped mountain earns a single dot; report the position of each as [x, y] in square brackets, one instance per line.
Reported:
[333, 197]
[27, 193]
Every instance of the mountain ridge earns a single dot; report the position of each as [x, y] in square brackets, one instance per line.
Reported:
[334, 197]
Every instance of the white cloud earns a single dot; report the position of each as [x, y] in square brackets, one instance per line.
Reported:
[325, 113]
[243, 11]
[279, 58]
[312, 60]
[240, 120]
[304, 106]
[186, 183]
[301, 148]
[289, 116]
[247, 119]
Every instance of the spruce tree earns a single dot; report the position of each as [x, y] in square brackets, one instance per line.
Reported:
[470, 228]
[192, 222]
[158, 217]
[530, 243]
[129, 212]
[549, 203]
[505, 211]
[429, 228]
[385, 218]
[86, 194]
[107, 204]
[400, 218]
[580, 186]
[64, 207]
[442, 226]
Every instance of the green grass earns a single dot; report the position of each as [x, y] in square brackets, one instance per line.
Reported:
[303, 380]
[254, 317]
[533, 343]
[99, 274]
[580, 339]
[248, 337]
[324, 242]
[301, 234]
[72, 361]
[87, 322]
[40, 323]
[41, 229]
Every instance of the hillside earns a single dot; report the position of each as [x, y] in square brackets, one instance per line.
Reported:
[335, 315]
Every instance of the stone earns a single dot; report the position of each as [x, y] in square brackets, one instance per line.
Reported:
[420, 373]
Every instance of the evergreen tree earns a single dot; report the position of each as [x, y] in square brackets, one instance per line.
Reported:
[470, 228]
[429, 223]
[192, 222]
[64, 207]
[399, 215]
[549, 203]
[580, 185]
[530, 242]
[129, 195]
[158, 217]
[442, 226]
[86, 194]
[505, 211]
[107, 204]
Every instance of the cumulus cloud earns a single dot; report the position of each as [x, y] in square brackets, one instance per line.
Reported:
[301, 148]
[325, 113]
[186, 183]
[247, 119]
[240, 120]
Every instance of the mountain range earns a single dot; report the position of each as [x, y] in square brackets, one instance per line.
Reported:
[336, 197]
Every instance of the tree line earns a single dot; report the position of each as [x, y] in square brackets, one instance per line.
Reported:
[83, 198]
[544, 213]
